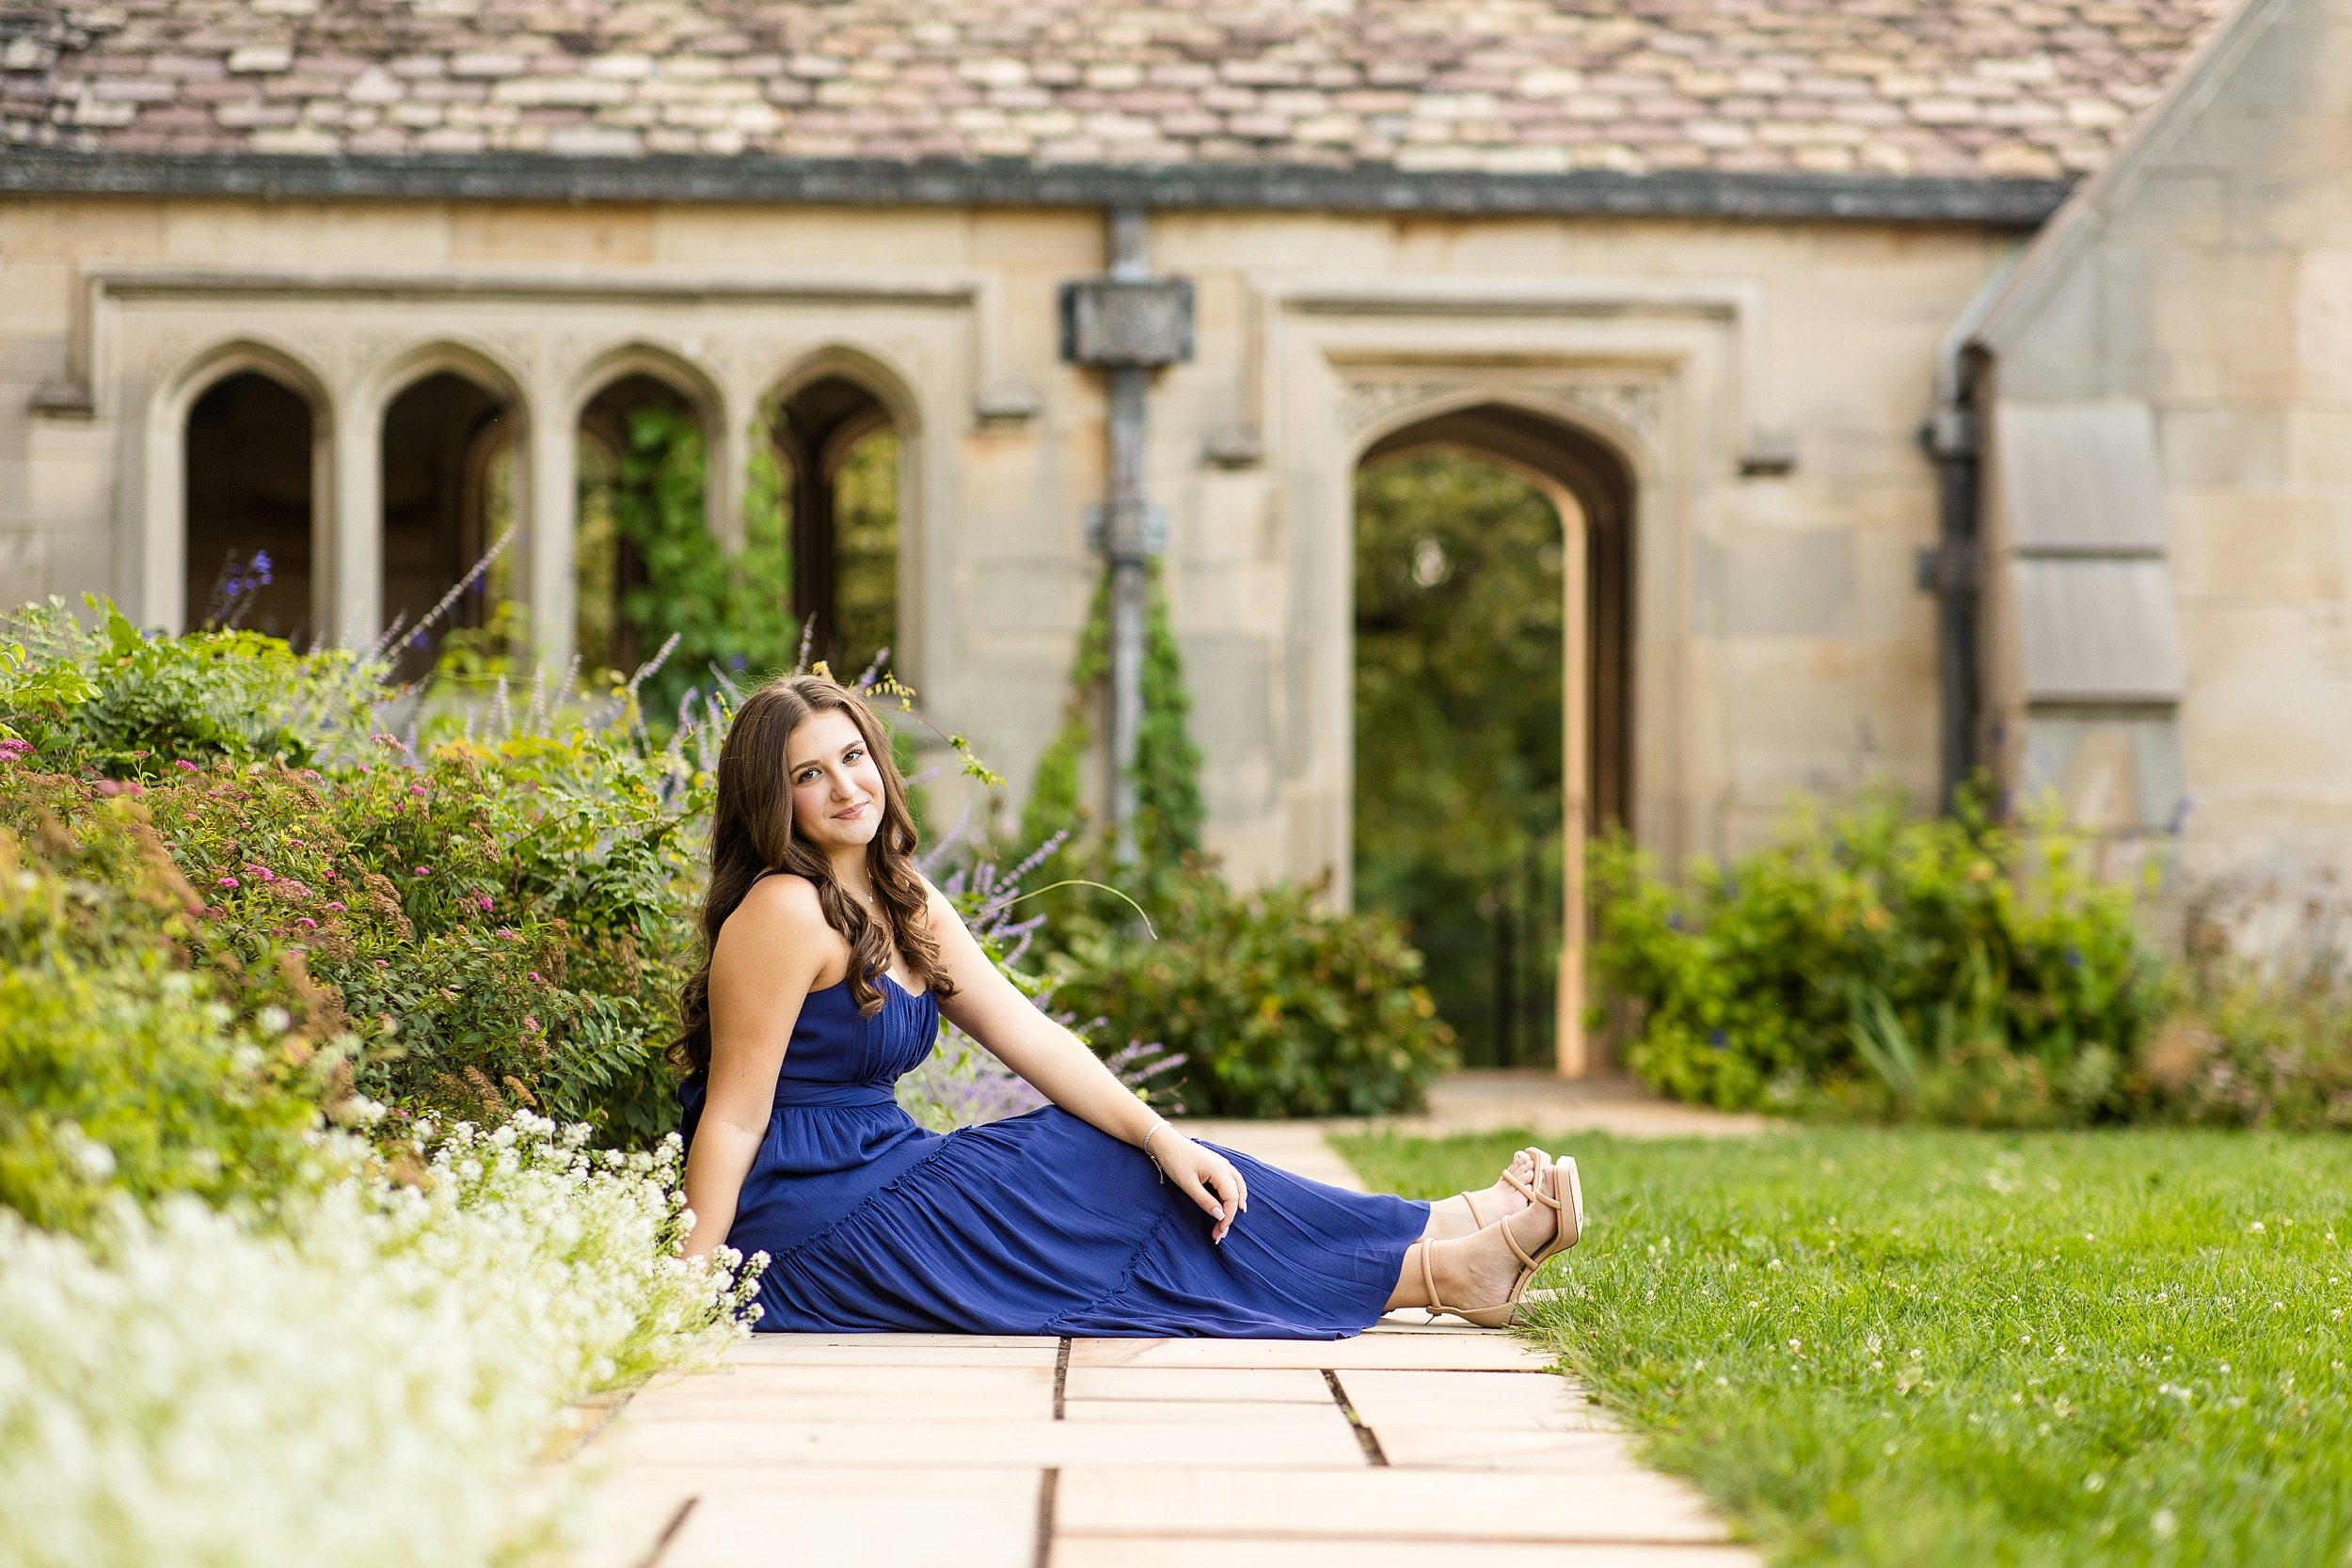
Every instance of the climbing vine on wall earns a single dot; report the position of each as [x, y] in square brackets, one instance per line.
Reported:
[731, 611]
[1167, 766]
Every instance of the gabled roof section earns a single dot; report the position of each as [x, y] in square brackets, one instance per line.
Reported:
[2077, 225]
[1968, 90]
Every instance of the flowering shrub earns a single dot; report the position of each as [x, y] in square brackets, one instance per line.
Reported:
[2262, 1032]
[1953, 969]
[123, 1074]
[497, 920]
[366, 1383]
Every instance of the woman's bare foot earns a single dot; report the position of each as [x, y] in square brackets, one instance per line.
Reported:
[1467, 1213]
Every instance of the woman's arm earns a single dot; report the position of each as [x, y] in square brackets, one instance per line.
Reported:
[991, 1010]
[770, 955]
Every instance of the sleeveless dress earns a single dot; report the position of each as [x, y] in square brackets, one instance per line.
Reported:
[1035, 1225]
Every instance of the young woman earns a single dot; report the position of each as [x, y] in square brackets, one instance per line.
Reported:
[829, 963]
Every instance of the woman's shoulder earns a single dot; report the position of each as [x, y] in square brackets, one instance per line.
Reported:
[778, 906]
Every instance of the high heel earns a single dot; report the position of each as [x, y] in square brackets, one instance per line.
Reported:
[1566, 1202]
[1469, 1200]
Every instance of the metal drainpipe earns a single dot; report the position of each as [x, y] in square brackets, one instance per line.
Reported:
[1125, 547]
[1952, 569]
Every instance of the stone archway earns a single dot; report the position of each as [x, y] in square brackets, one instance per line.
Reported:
[250, 506]
[607, 565]
[446, 497]
[840, 445]
[1591, 489]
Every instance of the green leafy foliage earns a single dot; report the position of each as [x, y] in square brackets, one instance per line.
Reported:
[728, 610]
[1277, 1007]
[1457, 712]
[866, 550]
[108, 697]
[1169, 809]
[1958, 969]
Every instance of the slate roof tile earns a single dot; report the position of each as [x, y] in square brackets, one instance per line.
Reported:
[1984, 88]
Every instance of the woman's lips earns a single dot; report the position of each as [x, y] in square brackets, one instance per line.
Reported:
[852, 815]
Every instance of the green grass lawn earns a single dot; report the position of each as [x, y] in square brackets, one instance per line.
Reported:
[1930, 1348]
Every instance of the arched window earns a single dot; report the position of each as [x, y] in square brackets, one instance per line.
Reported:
[840, 452]
[628, 434]
[448, 498]
[249, 505]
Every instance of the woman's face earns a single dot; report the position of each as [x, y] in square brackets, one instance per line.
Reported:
[836, 786]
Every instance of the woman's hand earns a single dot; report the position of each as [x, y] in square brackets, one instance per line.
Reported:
[1206, 1177]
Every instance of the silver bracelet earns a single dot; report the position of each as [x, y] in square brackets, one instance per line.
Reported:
[1156, 1127]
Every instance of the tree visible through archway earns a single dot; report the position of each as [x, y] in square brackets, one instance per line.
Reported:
[1459, 663]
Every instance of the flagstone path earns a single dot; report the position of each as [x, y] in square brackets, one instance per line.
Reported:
[1409, 1447]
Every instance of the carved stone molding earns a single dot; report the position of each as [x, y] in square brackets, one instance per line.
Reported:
[1633, 405]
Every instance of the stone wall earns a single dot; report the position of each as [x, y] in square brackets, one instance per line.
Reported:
[1760, 384]
[2205, 282]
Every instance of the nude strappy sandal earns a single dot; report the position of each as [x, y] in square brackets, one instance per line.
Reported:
[1469, 1200]
[1566, 1203]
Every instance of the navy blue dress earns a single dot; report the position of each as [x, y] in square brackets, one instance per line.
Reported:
[1035, 1225]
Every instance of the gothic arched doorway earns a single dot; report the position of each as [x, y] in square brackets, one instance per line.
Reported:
[1492, 621]
[250, 471]
[839, 447]
[447, 489]
[631, 463]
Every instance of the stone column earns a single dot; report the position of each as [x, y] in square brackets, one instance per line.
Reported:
[548, 479]
[355, 555]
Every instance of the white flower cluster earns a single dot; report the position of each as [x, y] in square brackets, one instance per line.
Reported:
[368, 1383]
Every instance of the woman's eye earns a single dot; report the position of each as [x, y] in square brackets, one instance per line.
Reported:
[854, 754]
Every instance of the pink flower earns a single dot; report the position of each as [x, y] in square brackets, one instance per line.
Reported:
[383, 963]
[416, 789]
[534, 978]
[185, 764]
[485, 902]
[306, 923]
[263, 872]
[226, 881]
[530, 1025]
[335, 904]
[424, 871]
[508, 932]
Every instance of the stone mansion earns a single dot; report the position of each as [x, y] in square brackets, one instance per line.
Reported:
[1923, 385]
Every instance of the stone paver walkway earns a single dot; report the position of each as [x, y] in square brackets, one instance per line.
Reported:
[1409, 1447]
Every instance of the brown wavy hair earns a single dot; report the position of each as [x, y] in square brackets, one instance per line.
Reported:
[751, 832]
